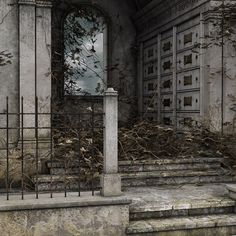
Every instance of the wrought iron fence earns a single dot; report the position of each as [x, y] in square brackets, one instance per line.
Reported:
[52, 151]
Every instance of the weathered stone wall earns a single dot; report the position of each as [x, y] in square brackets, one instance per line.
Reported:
[29, 71]
[160, 18]
[102, 219]
[121, 51]
[221, 94]
[9, 73]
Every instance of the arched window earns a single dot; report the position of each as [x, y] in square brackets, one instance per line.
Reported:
[85, 37]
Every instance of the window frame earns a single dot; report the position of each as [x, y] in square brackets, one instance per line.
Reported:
[106, 51]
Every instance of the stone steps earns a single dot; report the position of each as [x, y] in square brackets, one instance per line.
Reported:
[208, 225]
[173, 172]
[146, 165]
[145, 168]
[170, 164]
[157, 178]
[184, 210]
[153, 210]
[69, 181]
[165, 171]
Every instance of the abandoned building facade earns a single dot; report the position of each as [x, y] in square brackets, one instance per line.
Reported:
[168, 62]
[165, 56]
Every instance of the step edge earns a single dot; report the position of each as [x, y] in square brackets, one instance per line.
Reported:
[218, 222]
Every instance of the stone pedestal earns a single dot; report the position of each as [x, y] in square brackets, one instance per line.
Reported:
[110, 180]
[111, 185]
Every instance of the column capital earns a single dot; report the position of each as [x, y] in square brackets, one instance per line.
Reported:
[39, 3]
[111, 92]
[26, 2]
[44, 3]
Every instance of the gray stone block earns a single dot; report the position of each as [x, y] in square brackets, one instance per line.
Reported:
[111, 185]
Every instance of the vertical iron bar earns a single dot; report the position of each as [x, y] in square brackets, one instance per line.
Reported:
[65, 179]
[65, 161]
[65, 164]
[7, 119]
[222, 68]
[22, 148]
[51, 148]
[92, 181]
[37, 150]
[79, 157]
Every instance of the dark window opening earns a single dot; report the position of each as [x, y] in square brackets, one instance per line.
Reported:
[166, 65]
[188, 59]
[188, 101]
[188, 38]
[150, 53]
[167, 84]
[188, 80]
[167, 46]
[166, 102]
[84, 57]
[167, 121]
[150, 70]
[150, 87]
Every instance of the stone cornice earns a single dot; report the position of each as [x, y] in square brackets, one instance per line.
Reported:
[44, 3]
[26, 2]
[162, 12]
[38, 3]
[157, 7]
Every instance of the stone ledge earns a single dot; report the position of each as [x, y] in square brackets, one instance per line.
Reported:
[181, 223]
[231, 187]
[165, 161]
[193, 204]
[58, 201]
[232, 190]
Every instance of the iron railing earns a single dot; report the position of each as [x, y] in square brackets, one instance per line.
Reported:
[73, 149]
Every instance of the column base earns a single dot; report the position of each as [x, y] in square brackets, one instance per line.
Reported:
[111, 185]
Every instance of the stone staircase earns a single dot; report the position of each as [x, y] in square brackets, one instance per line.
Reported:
[179, 197]
[182, 211]
[146, 173]
[174, 172]
[170, 197]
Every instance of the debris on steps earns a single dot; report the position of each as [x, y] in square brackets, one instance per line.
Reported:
[146, 147]
[146, 140]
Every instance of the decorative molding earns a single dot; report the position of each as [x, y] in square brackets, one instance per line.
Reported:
[163, 13]
[26, 2]
[44, 3]
[38, 3]
[184, 4]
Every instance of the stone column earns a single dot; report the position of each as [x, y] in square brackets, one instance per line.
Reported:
[159, 77]
[27, 59]
[174, 82]
[140, 80]
[35, 62]
[43, 63]
[111, 180]
[35, 74]
[203, 84]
